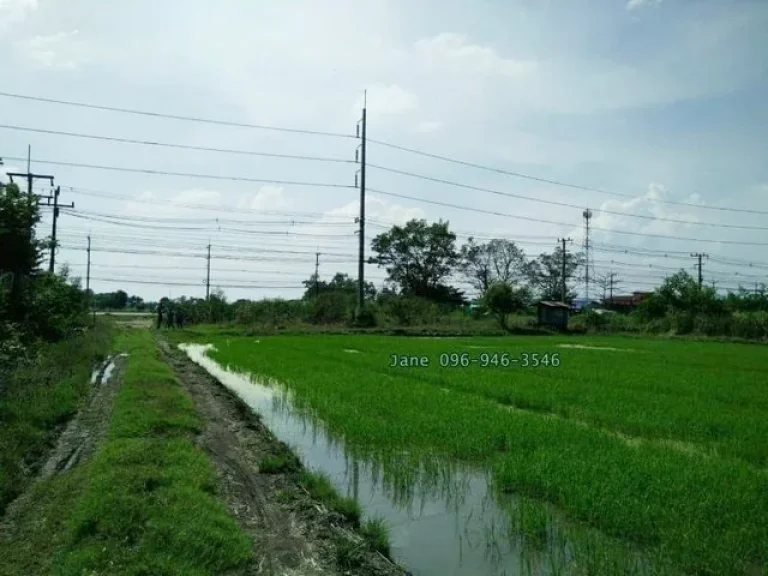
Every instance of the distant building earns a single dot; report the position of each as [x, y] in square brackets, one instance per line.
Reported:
[626, 302]
[553, 314]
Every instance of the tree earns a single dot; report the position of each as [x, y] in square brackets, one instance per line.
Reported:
[681, 293]
[502, 299]
[340, 282]
[135, 303]
[496, 261]
[545, 273]
[604, 283]
[417, 256]
[20, 251]
[121, 299]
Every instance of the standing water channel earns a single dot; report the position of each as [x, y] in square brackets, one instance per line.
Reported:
[442, 518]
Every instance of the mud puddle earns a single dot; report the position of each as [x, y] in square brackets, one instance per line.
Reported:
[443, 519]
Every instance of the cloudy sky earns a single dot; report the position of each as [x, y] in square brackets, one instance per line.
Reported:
[658, 107]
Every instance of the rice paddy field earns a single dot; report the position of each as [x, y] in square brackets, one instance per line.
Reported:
[621, 455]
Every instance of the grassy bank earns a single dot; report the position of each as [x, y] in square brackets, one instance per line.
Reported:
[144, 504]
[703, 513]
[149, 506]
[38, 399]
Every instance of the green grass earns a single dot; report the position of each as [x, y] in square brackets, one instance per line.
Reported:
[704, 514]
[376, 532]
[277, 464]
[320, 488]
[149, 504]
[39, 399]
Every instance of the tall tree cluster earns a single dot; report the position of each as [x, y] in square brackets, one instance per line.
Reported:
[421, 259]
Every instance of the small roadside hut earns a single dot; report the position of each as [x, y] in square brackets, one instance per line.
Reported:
[553, 314]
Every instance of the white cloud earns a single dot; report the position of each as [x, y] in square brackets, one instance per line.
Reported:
[63, 50]
[455, 50]
[388, 100]
[378, 209]
[267, 198]
[635, 4]
[648, 205]
[14, 12]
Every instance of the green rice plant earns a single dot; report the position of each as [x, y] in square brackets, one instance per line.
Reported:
[376, 532]
[656, 443]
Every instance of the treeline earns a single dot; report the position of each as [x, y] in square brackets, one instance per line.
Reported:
[119, 301]
[421, 261]
[682, 306]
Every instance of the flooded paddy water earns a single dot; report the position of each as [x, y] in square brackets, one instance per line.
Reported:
[443, 518]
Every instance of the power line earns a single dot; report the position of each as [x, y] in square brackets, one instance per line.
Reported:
[173, 116]
[187, 206]
[190, 284]
[563, 204]
[215, 221]
[179, 146]
[202, 229]
[542, 221]
[557, 182]
[187, 174]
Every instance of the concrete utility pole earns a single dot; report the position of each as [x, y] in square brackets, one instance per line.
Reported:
[563, 278]
[208, 275]
[317, 277]
[29, 176]
[699, 256]
[361, 256]
[587, 217]
[611, 282]
[88, 268]
[88, 281]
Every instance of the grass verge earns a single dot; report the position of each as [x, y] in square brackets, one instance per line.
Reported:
[320, 488]
[149, 504]
[39, 398]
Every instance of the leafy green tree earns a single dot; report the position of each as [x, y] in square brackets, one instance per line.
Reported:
[495, 261]
[340, 282]
[681, 293]
[545, 274]
[418, 257]
[503, 299]
[20, 251]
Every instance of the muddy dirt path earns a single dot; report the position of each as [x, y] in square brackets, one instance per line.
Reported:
[292, 534]
[78, 440]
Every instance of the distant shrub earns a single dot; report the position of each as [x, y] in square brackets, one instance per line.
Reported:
[331, 307]
[410, 310]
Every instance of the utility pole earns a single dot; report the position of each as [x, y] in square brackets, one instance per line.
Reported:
[88, 268]
[611, 282]
[208, 275]
[88, 281]
[699, 256]
[562, 274]
[361, 232]
[587, 216]
[317, 278]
